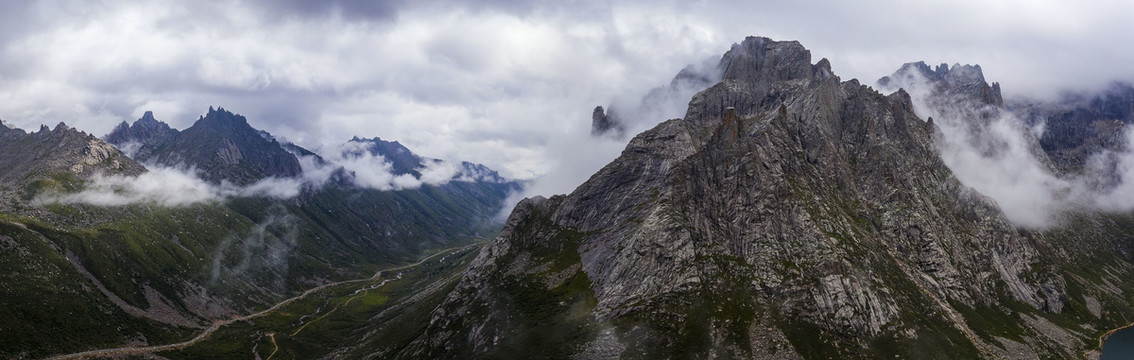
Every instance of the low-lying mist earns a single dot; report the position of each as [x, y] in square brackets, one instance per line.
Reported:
[167, 186]
[259, 255]
[182, 186]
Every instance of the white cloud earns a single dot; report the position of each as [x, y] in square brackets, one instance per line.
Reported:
[167, 187]
[440, 172]
[501, 83]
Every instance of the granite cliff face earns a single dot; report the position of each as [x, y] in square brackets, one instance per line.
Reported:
[789, 214]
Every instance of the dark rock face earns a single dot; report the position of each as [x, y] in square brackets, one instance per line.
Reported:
[146, 133]
[601, 123]
[966, 108]
[220, 144]
[787, 215]
[1079, 126]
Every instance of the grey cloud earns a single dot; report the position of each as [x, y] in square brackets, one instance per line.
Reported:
[381, 10]
[507, 83]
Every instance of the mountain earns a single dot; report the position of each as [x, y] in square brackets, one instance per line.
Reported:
[400, 158]
[145, 134]
[221, 145]
[79, 276]
[1078, 126]
[54, 159]
[789, 214]
[963, 82]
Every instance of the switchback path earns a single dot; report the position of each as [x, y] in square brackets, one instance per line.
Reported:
[221, 323]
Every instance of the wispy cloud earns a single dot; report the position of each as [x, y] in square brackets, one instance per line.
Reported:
[166, 186]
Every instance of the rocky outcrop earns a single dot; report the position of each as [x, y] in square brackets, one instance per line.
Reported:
[787, 204]
[663, 102]
[601, 123]
[60, 152]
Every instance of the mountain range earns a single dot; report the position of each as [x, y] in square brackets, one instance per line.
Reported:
[788, 214]
[81, 274]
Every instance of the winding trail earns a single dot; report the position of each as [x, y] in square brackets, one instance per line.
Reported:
[221, 323]
[275, 347]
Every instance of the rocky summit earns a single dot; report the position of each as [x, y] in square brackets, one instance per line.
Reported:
[221, 145]
[54, 158]
[789, 214]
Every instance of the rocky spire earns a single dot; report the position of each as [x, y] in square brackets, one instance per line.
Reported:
[146, 132]
[731, 126]
[603, 123]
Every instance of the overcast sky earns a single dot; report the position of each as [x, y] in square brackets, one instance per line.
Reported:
[510, 84]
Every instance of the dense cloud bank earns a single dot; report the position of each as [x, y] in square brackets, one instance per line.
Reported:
[507, 84]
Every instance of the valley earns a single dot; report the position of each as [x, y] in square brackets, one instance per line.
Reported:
[285, 309]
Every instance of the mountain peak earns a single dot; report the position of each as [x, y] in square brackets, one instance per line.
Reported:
[760, 59]
[220, 117]
[782, 191]
[964, 80]
[758, 74]
[221, 143]
[35, 156]
[401, 159]
[146, 132]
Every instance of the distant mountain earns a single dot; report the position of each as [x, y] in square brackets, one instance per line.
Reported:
[145, 134]
[1078, 126]
[659, 103]
[962, 82]
[401, 159]
[221, 145]
[78, 276]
